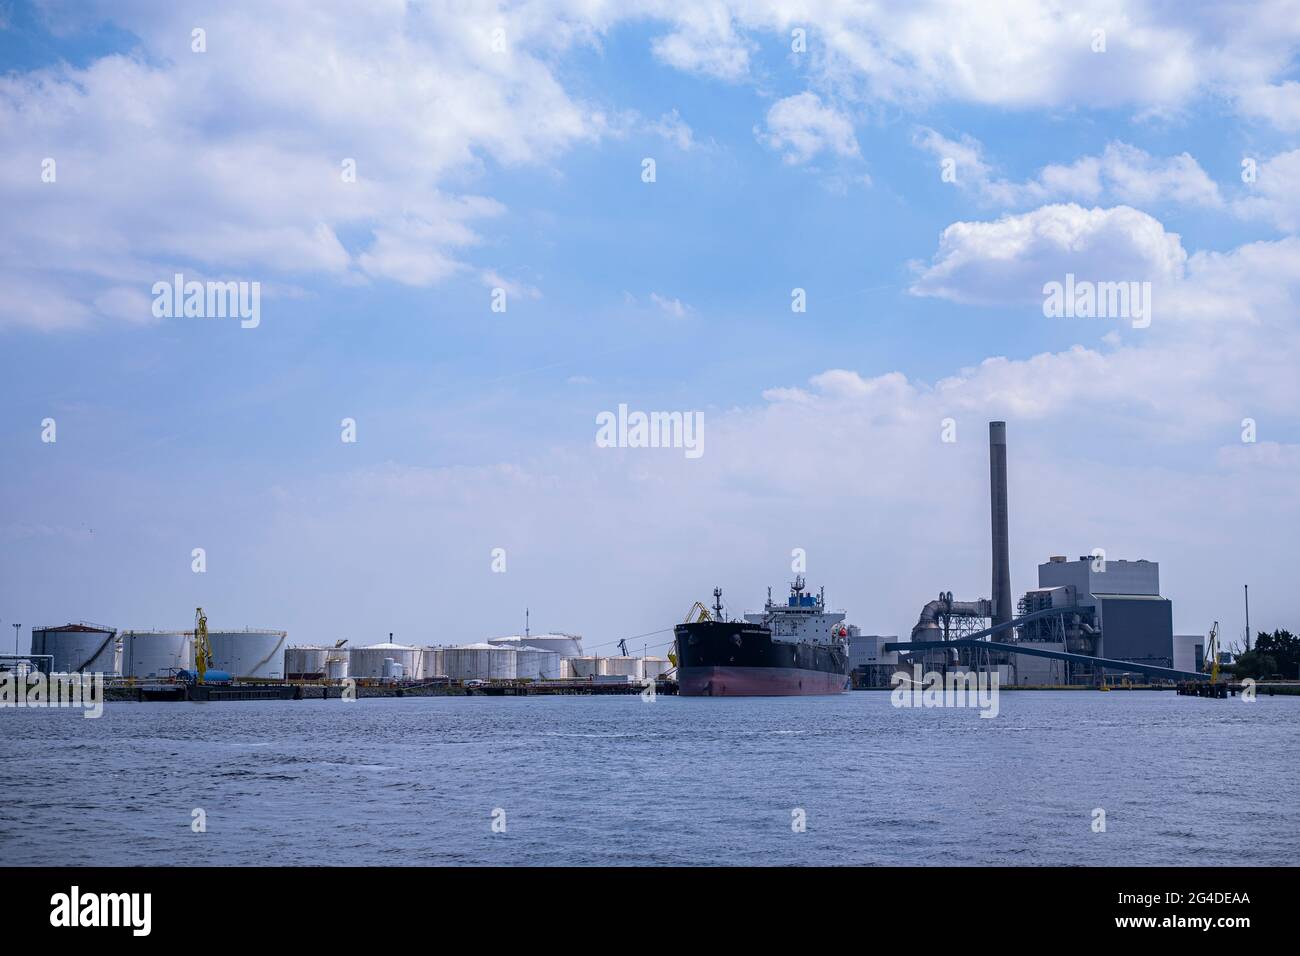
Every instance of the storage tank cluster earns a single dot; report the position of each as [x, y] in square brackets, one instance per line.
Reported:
[253, 653]
[628, 668]
[149, 654]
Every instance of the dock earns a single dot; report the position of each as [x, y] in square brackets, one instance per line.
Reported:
[177, 691]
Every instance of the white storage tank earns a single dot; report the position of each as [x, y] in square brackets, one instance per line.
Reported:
[535, 663]
[620, 667]
[336, 668]
[434, 665]
[653, 668]
[583, 667]
[249, 653]
[566, 645]
[79, 647]
[368, 662]
[306, 663]
[480, 662]
[155, 654]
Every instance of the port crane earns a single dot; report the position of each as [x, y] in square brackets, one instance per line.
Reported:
[622, 647]
[202, 646]
[1212, 653]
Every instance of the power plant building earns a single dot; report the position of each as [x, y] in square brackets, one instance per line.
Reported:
[1121, 614]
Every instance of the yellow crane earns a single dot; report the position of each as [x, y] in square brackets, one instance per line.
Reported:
[1212, 653]
[202, 647]
[697, 613]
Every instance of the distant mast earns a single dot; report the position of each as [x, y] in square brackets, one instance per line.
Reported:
[526, 634]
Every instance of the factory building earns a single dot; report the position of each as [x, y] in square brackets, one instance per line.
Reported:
[1120, 615]
[869, 665]
[1189, 652]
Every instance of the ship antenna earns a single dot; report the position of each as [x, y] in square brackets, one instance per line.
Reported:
[821, 595]
[717, 602]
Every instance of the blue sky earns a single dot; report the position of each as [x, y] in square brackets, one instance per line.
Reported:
[522, 169]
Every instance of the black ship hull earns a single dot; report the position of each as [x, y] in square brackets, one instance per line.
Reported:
[733, 659]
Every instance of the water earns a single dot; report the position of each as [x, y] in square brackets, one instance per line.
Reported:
[616, 780]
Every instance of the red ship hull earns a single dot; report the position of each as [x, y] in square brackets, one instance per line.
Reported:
[723, 681]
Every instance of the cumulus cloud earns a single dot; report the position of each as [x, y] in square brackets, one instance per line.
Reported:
[1122, 173]
[1032, 54]
[234, 162]
[1010, 259]
[1274, 197]
[705, 41]
[802, 127]
[1276, 104]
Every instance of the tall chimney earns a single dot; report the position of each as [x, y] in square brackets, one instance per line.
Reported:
[998, 502]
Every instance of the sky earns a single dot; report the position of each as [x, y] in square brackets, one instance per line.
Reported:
[921, 171]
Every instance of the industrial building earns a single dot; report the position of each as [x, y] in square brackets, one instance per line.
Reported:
[1118, 614]
[1085, 617]
[869, 663]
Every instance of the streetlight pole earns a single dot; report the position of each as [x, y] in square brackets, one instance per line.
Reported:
[16, 626]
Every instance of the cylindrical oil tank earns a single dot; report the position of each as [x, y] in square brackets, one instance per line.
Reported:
[620, 667]
[306, 663]
[367, 662]
[566, 645]
[537, 664]
[480, 662]
[157, 653]
[336, 668]
[433, 662]
[583, 667]
[79, 647]
[653, 668]
[249, 653]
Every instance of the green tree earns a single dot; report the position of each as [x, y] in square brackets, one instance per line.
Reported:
[1284, 648]
[1256, 664]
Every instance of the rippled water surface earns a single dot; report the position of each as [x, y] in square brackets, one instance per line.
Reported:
[616, 780]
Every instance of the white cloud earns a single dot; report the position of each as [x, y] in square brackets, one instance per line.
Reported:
[1275, 195]
[672, 128]
[1027, 54]
[1122, 173]
[1009, 260]
[705, 42]
[230, 161]
[802, 127]
[1276, 104]
[670, 306]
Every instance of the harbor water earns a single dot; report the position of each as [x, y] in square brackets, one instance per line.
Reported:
[623, 781]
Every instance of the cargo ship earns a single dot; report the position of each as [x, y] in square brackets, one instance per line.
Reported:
[790, 649]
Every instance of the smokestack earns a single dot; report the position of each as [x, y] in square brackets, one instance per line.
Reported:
[998, 503]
